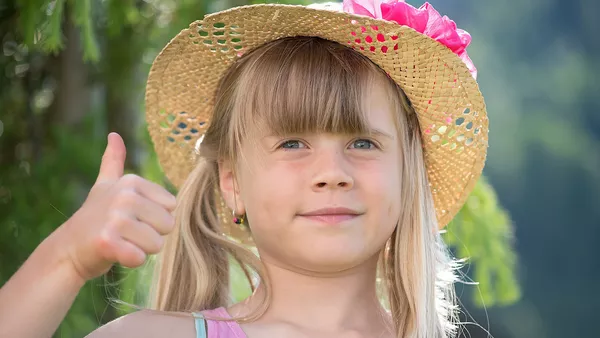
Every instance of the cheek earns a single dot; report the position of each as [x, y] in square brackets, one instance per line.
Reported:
[382, 186]
[382, 183]
[269, 189]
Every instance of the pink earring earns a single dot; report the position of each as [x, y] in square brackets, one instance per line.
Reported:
[238, 220]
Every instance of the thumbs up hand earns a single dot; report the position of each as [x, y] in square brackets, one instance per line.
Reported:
[123, 219]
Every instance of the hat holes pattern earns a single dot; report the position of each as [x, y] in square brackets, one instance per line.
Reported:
[458, 132]
[219, 38]
[369, 38]
[452, 134]
[455, 133]
[181, 127]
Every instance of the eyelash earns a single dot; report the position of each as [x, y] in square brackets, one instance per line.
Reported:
[375, 145]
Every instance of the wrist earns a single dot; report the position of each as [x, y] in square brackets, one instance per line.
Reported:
[56, 258]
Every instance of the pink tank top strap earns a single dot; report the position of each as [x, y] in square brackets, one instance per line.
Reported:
[222, 329]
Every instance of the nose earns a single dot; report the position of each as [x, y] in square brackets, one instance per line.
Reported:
[331, 172]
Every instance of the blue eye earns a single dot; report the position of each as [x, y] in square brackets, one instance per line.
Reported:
[291, 144]
[363, 144]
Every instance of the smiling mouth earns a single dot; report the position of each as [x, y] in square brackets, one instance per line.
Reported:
[332, 215]
[331, 218]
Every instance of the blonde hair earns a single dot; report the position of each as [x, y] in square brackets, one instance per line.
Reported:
[295, 85]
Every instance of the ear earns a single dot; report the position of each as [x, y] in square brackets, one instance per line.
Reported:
[230, 189]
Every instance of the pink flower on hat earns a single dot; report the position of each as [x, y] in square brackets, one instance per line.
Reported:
[425, 20]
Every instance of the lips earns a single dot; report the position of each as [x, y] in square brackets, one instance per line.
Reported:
[332, 215]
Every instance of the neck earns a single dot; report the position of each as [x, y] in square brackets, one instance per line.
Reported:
[346, 301]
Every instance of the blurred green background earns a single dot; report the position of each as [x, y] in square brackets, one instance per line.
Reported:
[73, 70]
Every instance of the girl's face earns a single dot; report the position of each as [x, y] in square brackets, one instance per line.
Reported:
[321, 202]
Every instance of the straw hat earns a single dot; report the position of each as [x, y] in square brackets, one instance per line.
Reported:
[435, 74]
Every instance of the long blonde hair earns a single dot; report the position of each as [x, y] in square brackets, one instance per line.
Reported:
[295, 85]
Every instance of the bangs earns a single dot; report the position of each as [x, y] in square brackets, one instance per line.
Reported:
[303, 85]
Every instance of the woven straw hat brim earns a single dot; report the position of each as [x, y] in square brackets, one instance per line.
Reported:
[450, 108]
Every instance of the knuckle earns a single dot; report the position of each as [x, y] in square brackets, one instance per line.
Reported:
[138, 260]
[127, 197]
[119, 220]
[131, 180]
[156, 245]
[171, 201]
[105, 245]
[167, 225]
[132, 258]
[170, 224]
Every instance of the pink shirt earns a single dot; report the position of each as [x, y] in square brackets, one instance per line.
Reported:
[218, 329]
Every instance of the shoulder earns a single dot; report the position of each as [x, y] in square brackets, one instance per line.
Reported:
[149, 324]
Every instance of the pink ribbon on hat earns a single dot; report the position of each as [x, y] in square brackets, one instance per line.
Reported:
[425, 20]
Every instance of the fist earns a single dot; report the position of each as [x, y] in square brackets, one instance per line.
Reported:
[123, 219]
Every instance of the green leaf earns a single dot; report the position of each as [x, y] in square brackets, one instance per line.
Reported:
[52, 33]
[82, 17]
[483, 234]
[30, 17]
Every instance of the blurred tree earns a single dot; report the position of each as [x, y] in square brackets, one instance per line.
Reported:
[540, 78]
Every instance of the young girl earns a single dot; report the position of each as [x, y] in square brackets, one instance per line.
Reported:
[335, 141]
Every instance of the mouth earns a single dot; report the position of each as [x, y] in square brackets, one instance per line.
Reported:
[332, 215]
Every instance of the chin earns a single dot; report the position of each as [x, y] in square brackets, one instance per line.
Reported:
[331, 258]
[321, 249]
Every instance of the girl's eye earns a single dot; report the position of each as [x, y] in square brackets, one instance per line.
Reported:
[363, 144]
[292, 144]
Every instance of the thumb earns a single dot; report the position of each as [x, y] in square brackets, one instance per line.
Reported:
[113, 160]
